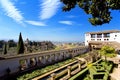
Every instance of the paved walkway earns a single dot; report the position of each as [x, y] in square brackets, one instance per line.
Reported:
[116, 74]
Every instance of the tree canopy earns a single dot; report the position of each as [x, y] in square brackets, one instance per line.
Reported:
[11, 43]
[5, 49]
[108, 51]
[20, 46]
[98, 9]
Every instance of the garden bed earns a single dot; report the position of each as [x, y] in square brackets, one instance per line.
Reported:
[39, 72]
[95, 71]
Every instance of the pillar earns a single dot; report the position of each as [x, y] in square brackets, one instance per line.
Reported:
[69, 70]
[53, 57]
[44, 60]
[53, 75]
[79, 65]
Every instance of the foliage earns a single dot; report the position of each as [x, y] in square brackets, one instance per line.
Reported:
[111, 55]
[39, 72]
[99, 9]
[57, 48]
[91, 70]
[11, 43]
[94, 55]
[2, 42]
[80, 75]
[69, 45]
[46, 69]
[36, 46]
[107, 50]
[20, 46]
[5, 49]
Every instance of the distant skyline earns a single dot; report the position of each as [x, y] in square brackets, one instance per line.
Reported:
[45, 20]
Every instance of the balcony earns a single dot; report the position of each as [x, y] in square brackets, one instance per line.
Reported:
[99, 35]
[92, 35]
[106, 35]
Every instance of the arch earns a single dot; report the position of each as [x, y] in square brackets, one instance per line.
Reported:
[47, 58]
[58, 58]
[23, 64]
[40, 58]
[53, 57]
[32, 62]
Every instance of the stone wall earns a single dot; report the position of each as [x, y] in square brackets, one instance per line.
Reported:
[13, 64]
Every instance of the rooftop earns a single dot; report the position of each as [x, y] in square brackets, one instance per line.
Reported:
[113, 44]
[106, 31]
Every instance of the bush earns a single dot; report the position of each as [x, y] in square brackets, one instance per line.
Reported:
[81, 75]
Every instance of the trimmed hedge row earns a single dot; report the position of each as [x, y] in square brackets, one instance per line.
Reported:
[82, 74]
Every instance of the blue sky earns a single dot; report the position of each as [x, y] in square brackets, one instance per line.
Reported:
[44, 20]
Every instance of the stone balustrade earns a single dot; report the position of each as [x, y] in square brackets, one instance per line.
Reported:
[27, 61]
[64, 72]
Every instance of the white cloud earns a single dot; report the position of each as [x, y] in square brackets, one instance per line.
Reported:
[66, 22]
[36, 23]
[49, 8]
[11, 11]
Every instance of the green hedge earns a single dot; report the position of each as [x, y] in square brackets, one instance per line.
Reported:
[81, 75]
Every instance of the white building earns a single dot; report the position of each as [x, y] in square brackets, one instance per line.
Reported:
[102, 36]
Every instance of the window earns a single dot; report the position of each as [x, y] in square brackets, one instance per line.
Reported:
[98, 39]
[92, 39]
[106, 39]
[106, 35]
[99, 35]
[92, 35]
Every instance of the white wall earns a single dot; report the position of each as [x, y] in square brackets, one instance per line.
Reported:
[87, 39]
[112, 38]
[13, 62]
[118, 38]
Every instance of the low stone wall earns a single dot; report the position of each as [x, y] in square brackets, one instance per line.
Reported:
[13, 64]
[64, 72]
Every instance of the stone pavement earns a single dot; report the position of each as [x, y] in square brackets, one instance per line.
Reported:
[116, 74]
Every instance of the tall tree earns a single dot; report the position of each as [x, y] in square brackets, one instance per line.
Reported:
[99, 9]
[106, 50]
[5, 49]
[20, 46]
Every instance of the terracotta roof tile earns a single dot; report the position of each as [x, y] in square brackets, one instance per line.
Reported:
[106, 31]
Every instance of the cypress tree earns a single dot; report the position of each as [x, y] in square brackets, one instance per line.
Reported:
[5, 49]
[20, 46]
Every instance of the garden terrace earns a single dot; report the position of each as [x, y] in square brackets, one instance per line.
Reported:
[62, 70]
[95, 71]
[25, 62]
